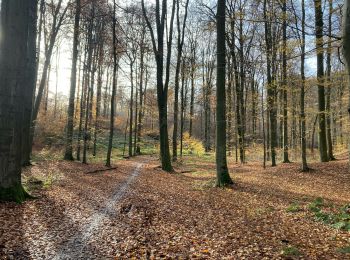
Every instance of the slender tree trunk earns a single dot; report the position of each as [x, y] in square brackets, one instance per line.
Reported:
[304, 166]
[180, 43]
[182, 110]
[88, 82]
[229, 107]
[77, 102]
[56, 25]
[240, 95]
[47, 90]
[329, 85]
[114, 86]
[223, 177]
[82, 104]
[56, 87]
[271, 92]
[193, 69]
[285, 93]
[98, 98]
[141, 97]
[313, 134]
[346, 46]
[31, 79]
[263, 128]
[340, 98]
[136, 117]
[131, 107]
[68, 155]
[126, 132]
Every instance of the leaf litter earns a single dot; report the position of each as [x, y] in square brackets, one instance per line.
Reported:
[264, 215]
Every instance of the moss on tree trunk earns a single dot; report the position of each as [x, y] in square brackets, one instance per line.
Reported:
[15, 193]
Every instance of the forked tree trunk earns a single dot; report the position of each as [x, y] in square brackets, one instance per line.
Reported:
[162, 87]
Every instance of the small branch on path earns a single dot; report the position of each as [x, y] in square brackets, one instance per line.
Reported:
[102, 170]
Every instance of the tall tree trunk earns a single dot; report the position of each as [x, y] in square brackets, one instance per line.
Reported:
[89, 83]
[162, 87]
[98, 96]
[329, 84]
[284, 83]
[131, 107]
[82, 104]
[31, 79]
[346, 46]
[68, 155]
[240, 93]
[136, 115]
[180, 43]
[271, 88]
[229, 96]
[254, 96]
[223, 177]
[114, 86]
[15, 22]
[57, 74]
[263, 128]
[56, 25]
[182, 110]
[141, 97]
[77, 102]
[105, 95]
[304, 166]
[193, 69]
[47, 90]
[320, 79]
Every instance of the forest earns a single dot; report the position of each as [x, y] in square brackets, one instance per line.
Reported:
[174, 129]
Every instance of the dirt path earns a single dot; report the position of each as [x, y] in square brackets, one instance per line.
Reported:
[77, 246]
[69, 216]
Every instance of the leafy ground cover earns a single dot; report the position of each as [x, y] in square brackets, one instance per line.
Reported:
[276, 213]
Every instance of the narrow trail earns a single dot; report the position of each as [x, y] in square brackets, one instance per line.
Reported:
[77, 246]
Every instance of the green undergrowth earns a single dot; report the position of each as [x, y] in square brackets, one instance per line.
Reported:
[327, 213]
[337, 218]
[294, 207]
[344, 250]
[290, 251]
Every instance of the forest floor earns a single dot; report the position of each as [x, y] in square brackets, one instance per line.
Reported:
[138, 211]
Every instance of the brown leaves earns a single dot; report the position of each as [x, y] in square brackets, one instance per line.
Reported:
[166, 216]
